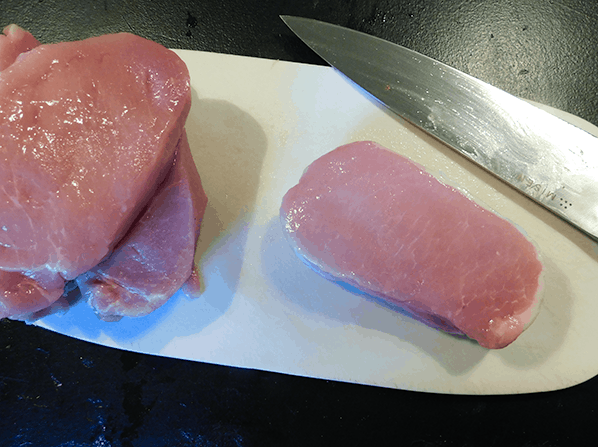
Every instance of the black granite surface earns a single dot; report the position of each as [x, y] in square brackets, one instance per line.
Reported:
[56, 391]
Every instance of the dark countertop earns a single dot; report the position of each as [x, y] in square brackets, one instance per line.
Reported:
[57, 391]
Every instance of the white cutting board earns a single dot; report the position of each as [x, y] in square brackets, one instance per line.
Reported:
[254, 126]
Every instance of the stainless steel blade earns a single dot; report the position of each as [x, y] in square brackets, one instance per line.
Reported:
[542, 156]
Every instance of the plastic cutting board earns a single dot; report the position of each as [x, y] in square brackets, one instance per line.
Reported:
[255, 125]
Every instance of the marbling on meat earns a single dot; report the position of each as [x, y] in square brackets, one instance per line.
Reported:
[370, 218]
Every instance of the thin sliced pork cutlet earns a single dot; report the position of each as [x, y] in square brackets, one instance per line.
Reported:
[88, 132]
[371, 218]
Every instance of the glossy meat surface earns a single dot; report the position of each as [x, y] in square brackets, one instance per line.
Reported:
[156, 257]
[88, 131]
[368, 217]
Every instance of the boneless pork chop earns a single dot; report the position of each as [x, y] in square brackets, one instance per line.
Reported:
[370, 218]
[88, 132]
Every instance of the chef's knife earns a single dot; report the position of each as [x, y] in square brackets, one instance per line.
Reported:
[547, 159]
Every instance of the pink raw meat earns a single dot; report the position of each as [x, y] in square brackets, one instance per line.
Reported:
[156, 257]
[370, 218]
[14, 42]
[88, 131]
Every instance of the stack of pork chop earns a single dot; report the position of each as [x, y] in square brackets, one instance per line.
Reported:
[97, 184]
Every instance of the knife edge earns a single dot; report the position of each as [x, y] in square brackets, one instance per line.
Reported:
[547, 159]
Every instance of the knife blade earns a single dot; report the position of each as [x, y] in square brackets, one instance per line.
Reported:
[544, 157]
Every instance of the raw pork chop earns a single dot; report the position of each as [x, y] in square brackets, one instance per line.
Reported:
[370, 218]
[88, 131]
[156, 257]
